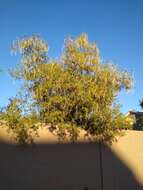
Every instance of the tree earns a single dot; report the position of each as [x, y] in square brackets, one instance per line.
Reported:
[75, 92]
[141, 103]
[141, 118]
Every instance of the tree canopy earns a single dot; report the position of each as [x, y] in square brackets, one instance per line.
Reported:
[76, 91]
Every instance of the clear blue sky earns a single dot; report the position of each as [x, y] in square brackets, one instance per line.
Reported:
[115, 25]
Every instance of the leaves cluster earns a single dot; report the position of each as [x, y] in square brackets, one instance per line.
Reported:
[23, 127]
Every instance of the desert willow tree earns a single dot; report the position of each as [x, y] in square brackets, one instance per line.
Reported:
[75, 92]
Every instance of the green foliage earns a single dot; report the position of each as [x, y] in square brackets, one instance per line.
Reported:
[141, 103]
[77, 91]
[22, 126]
[141, 119]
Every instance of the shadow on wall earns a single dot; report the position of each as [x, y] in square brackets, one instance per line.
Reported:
[62, 167]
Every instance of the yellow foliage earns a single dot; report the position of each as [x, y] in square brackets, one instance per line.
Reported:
[75, 91]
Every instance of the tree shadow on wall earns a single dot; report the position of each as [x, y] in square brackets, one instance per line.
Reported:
[62, 167]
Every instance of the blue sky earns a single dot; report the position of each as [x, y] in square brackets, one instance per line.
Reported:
[115, 25]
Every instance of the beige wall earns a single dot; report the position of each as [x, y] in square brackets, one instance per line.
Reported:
[54, 166]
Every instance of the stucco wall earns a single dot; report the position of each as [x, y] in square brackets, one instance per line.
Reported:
[54, 166]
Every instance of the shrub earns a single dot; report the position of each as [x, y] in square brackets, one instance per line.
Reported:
[23, 127]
